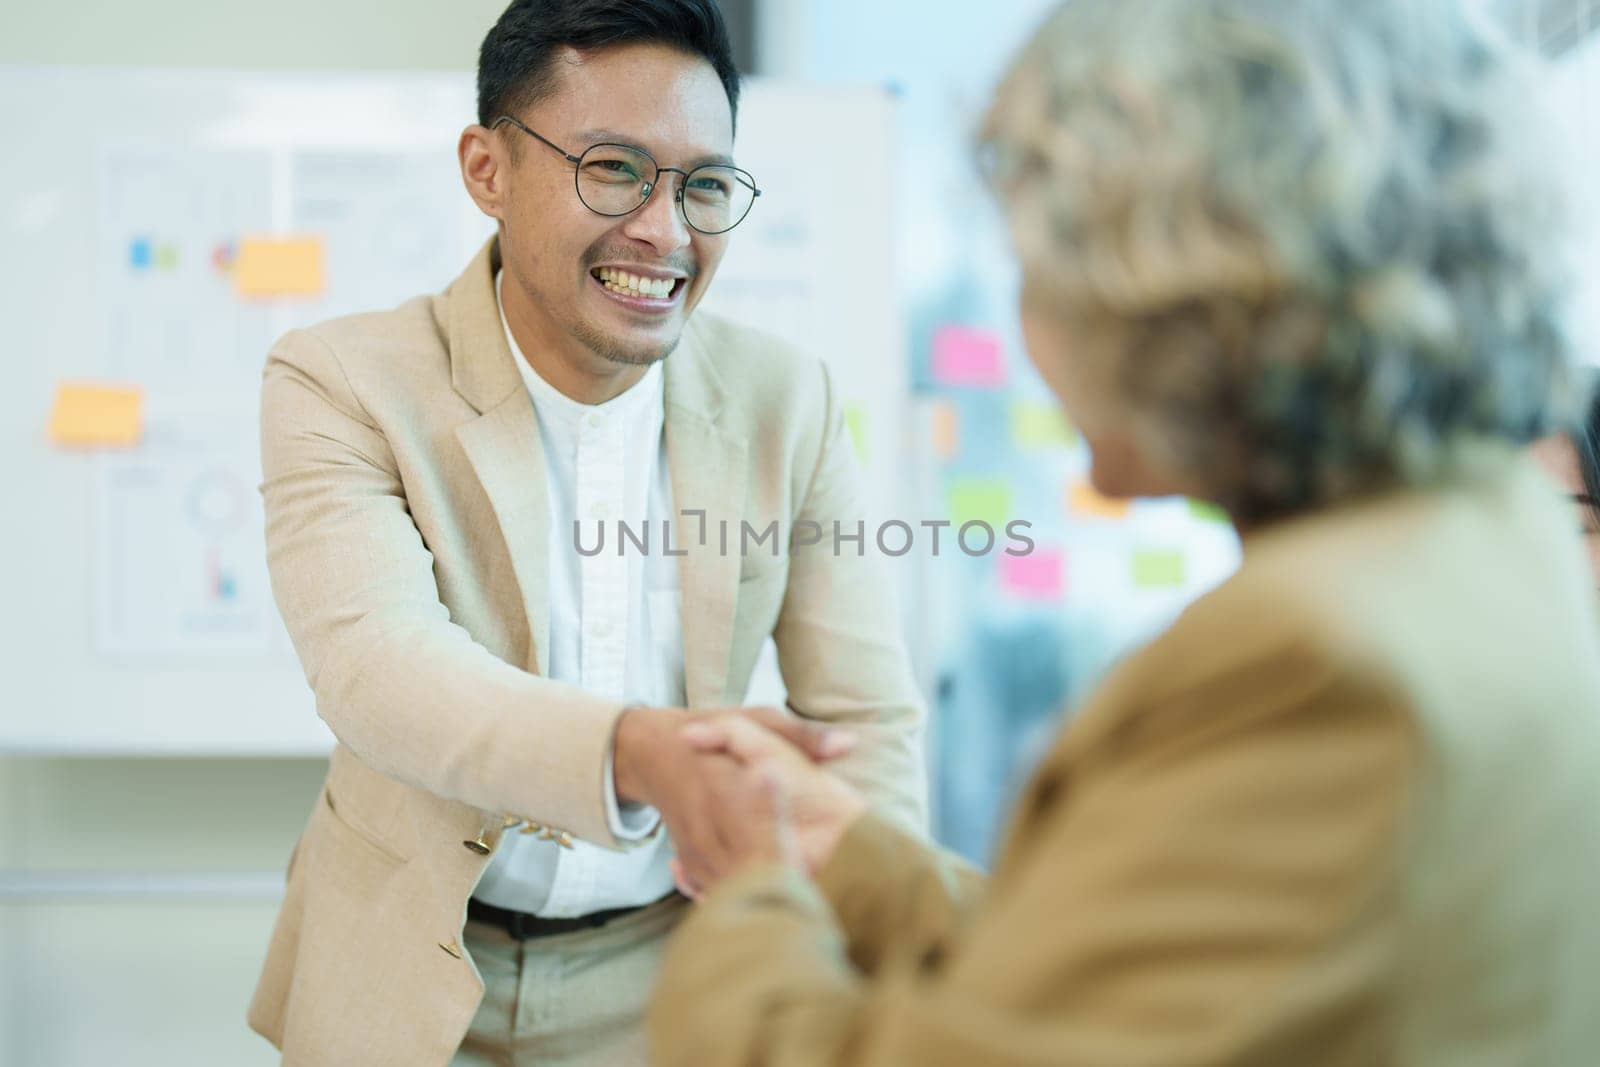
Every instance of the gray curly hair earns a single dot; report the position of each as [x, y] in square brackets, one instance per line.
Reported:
[1325, 222]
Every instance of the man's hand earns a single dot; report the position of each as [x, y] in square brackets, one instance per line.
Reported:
[783, 806]
[654, 763]
[758, 827]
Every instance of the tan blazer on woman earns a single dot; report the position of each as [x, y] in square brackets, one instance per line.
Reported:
[1346, 811]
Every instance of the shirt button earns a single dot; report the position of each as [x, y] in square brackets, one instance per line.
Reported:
[602, 629]
[593, 419]
[599, 511]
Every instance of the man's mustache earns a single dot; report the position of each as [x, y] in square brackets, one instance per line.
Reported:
[618, 258]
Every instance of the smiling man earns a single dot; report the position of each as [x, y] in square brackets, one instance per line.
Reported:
[488, 875]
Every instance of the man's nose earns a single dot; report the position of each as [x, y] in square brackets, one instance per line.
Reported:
[659, 222]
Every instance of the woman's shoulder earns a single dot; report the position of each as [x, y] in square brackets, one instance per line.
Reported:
[1447, 606]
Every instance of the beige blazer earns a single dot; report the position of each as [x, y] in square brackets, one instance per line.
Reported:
[408, 539]
[1346, 811]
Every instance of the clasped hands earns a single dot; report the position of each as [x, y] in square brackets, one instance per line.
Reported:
[736, 786]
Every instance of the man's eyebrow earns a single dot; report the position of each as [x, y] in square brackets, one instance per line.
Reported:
[604, 136]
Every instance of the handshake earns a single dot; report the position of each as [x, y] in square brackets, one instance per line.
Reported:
[736, 786]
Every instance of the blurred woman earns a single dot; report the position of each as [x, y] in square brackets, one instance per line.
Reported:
[1295, 257]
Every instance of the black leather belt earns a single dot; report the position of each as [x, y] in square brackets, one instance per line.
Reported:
[524, 926]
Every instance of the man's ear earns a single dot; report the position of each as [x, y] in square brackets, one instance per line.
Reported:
[484, 169]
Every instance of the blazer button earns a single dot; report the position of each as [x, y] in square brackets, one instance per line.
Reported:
[531, 827]
[564, 839]
[510, 821]
[452, 948]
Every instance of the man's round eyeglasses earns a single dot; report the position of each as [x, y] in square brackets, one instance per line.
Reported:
[617, 179]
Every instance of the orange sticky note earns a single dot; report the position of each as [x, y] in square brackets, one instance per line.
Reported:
[945, 427]
[1083, 499]
[278, 266]
[96, 416]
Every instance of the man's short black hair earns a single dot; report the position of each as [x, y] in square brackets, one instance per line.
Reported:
[516, 63]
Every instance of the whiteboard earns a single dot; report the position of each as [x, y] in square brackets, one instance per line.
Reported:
[139, 620]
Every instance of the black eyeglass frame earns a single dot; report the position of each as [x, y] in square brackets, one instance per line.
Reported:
[649, 186]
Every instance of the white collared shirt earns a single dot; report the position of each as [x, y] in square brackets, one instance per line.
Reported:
[615, 629]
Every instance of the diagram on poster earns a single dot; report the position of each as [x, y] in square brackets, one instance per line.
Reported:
[178, 545]
[390, 223]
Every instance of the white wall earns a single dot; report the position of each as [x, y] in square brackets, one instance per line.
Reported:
[262, 34]
[153, 975]
[159, 971]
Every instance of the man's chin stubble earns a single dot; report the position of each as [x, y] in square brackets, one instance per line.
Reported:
[613, 351]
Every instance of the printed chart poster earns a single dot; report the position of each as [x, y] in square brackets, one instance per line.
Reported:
[769, 278]
[390, 223]
[170, 223]
[181, 570]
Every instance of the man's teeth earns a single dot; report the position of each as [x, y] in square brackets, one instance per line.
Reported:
[620, 281]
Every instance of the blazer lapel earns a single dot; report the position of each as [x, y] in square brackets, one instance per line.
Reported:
[502, 444]
[504, 449]
[708, 469]
[708, 466]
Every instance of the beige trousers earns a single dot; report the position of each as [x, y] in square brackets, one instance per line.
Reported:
[572, 1000]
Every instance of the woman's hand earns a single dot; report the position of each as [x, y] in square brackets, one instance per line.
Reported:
[784, 809]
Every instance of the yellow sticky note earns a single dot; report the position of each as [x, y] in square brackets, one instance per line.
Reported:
[980, 501]
[856, 419]
[1083, 499]
[278, 266]
[96, 416]
[1036, 426]
[945, 429]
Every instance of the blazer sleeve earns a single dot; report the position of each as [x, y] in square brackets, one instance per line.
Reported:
[889, 889]
[1216, 894]
[839, 639]
[400, 684]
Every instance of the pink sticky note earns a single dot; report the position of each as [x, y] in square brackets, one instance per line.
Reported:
[1040, 575]
[966, 356]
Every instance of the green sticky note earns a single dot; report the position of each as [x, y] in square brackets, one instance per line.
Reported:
[1201, 510]
[1158, 569]
[856, 420]
[980, 501]
[1037, 426]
